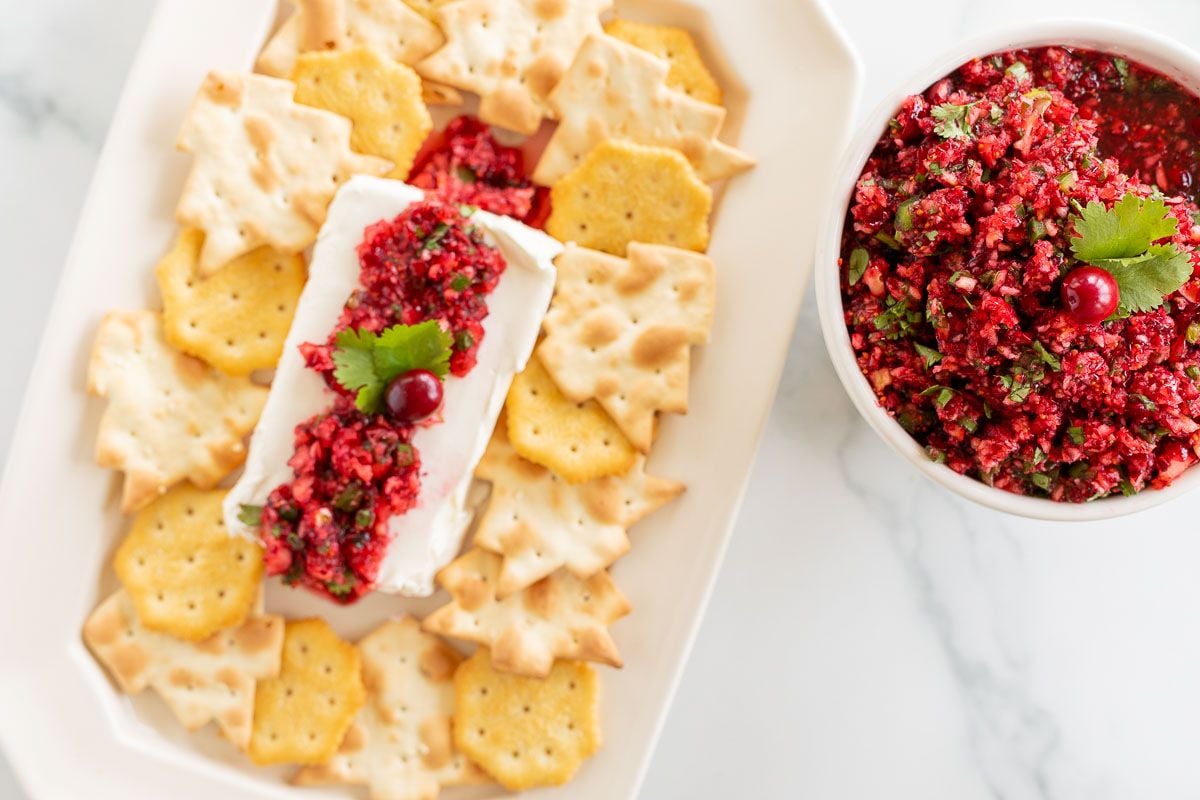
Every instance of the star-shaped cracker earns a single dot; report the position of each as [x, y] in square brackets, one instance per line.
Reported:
[390, 27]
[511, 53]
[621, 330]
[169, 416]
[539, 522]
[400, 745]
[200, 681]
[614, 90]
[265, 167]
[560, 616]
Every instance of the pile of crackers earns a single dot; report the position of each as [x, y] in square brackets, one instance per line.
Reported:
[342, 88]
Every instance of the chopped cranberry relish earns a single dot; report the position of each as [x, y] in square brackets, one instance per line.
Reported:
[954, 253]
[465, 164]
[328, 527]
[430, 262]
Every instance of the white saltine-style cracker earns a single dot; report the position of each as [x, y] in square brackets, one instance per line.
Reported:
[201, 681]
[389, 27]
[169, 416]
[621, 330]
[400, 745]
[539, 522]
[560, 616]
[511, 53]
[614, 90]
[265, 168]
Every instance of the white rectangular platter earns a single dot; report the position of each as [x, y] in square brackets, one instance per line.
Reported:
[791, 86]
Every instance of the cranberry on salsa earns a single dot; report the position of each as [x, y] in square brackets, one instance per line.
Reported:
[354, 465]
[1017, 273]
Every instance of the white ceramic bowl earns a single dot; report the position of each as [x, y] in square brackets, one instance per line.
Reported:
[1152, 50]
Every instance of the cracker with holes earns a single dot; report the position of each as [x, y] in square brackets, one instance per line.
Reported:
[381, 97]
[264, 167]
[511, 53]
[400, 745]
[302, 714]
[185, 574]
[527, 732]
[620, 330]
[169, 416]
[675, 45]
[576, 441]
[560, 616]
[624, 193]
[236, 319]
[389, 27]
[539, 523]
[614, 90]
[427, 8]
[213, 679]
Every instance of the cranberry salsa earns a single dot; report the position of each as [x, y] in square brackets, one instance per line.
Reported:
[1018, 273]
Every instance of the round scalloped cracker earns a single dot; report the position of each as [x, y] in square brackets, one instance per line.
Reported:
[381, 97]
[186, 575]
[526, 732]
[237, 318]
[624, 192]
[676, 46]
[301, 716]
[576, 441]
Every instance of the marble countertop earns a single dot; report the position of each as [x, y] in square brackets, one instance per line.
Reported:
[870, 635]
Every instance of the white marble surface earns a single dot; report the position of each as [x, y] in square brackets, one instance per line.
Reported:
[870, 635]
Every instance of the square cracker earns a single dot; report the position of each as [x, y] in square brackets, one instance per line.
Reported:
[265, 168]
[169, 416]
[200, 681]
[527, 732]
[621, 330]
[538, 522]
[560, 616]
[614, 90]
[400, 746]
[511, 53]
[390, 27]
[688, 73]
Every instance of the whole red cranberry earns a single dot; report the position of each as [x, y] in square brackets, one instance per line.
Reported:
[413, 396]
[1090, 294]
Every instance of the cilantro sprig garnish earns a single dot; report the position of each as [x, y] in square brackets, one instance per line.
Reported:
[365, 362]
[952, 120]
[1121, 240]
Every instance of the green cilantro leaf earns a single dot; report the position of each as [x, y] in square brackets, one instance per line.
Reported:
[1041, 480]
[365, 362]
[250, 515]
[433, 239]
[942, 394]
[1049, 358]
[1143, 281]
[1124, 231]
[859, 259]
[1075, 434]
[930, 355]
[952, 120]
[459, 282]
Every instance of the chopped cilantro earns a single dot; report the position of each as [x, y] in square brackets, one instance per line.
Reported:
[1049, 358]
[1146, 402]
[1121, 241]
[952, 120]
[1122, 67]
[1127, 487]
[1075, 434]
[343, 587]
[365, 362]
[859, 259]
[1037, 229]
[888, 239]
[942, 394]
[1017, 70]
[250, 515]
[930, 355]
[433, 240]
[935, 168]
[904, 220]
[365, 518]
[898, 320]
[350, 498]
[459, 282]
[1041, 480]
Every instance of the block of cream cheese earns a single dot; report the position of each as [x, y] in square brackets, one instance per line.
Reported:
[429, 535]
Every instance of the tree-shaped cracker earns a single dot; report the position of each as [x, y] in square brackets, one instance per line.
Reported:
[560, 616]
[265, 168]
[539, 522]
[621, 330]
[200, 681]
[614, 90]
[511, 53]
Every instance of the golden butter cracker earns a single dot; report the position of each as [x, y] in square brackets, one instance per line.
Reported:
[526, 732]
[186, 575]
[624, 193]
[688, 73]
[381, 97]
[301, 715]
[237, 318]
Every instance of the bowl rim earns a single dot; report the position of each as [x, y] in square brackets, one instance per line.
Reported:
[1154, 50]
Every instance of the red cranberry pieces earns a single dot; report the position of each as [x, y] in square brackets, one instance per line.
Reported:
[1090, 294]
